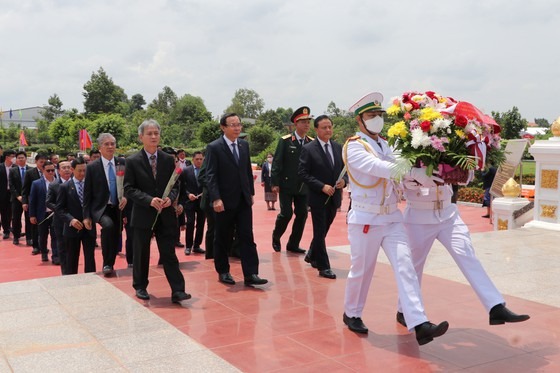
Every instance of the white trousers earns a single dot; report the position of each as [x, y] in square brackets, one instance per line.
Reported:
[364, 248]
[454, 235]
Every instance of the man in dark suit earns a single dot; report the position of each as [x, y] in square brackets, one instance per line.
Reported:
[101, 204]
[32, 234]
[288, 184]
[147, 175]
[320, 167]
[39, 214]
[16, 177]
[229, 179]
[5, 195]
[193, 210]
[59, 252]
[69, 207]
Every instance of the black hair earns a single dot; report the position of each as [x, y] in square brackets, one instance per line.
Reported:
[320, 118]
[78, 160]
[225, 117]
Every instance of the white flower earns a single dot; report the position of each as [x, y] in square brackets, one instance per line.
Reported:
[419, 138]
[440, 123]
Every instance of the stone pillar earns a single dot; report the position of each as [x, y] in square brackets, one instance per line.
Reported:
[502, 212]
[547, 181]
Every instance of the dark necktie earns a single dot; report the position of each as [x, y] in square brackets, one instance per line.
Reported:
[113, 185]
[301, 142]
[80, 191]
[235, 154]
[196, 176]
[153, 164]
[329, 156]
[22, 170]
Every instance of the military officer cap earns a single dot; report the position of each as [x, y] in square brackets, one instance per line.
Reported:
[301, 114]
[370, 102]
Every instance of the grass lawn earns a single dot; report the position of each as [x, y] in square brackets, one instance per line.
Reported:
[528, 168]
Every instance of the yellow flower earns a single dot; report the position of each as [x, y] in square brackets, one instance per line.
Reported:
[429, 114]
[460, 134]
[398, 129]
[394, 110]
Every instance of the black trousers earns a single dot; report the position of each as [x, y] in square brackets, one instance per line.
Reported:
[299, 210]
[210, 226]
[43, 231]
[72, 248]
[165, 238]
[242, 219]
[110, 235]
[129, 243]
[60, 246]
[322, 218]
[6, 213]
[195, 224]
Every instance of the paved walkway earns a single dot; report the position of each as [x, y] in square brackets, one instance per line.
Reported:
[83, 323]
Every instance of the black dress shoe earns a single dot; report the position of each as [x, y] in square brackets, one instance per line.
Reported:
[179, 244]
[35, 251]
[276, 245]
[29, 242]
[255, 280]
[355, 324]
[426, 332]
[179, 296]
[225, 278]
[400, 319]
[500, 314]
[45, 257]
[188, 251]
[6, 236]
[327, 273]
[16, 241]
[199, 250]
[56, 261]
[296, 250]
[142, 294]
[107, 271]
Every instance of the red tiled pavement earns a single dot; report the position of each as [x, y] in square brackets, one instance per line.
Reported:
[295, 322]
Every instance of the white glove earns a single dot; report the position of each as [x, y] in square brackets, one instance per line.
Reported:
[419, 174]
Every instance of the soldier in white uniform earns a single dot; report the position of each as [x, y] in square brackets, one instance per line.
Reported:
[430, 215]
[375, 221]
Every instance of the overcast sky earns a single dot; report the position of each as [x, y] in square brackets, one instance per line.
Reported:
[495, 54]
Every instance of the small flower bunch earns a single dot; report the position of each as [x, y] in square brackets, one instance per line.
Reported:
[441, 133]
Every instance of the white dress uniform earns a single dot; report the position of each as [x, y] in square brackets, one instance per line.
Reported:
[430, 215]
[373, 222]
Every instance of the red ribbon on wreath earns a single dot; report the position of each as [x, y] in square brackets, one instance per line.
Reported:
[477, 147]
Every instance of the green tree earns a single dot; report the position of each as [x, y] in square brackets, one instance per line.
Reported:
[137, 102]
[259, 138]
[109, 123]
[542, 122]
[53, 110]
[188, 112]
[102, 95]
[246, 103]
[285, 114]
[165, 101]
[511, 122]
[208, 132]
[271, 119]
[333, 110]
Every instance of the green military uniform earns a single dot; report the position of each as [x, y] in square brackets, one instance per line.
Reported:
[292, 190]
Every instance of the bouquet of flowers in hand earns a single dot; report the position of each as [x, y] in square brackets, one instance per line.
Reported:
[441, 134]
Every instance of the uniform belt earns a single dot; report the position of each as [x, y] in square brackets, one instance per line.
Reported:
[428, 205]
[374, 209]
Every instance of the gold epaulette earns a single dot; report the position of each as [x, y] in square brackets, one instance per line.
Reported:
[288, 136]
[354, 138]
[310, 138]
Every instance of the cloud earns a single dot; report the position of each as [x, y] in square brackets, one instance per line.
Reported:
[496, 54]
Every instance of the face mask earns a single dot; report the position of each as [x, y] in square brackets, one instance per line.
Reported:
[374, 125]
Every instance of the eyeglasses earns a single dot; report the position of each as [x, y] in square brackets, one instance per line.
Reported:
[49, 170]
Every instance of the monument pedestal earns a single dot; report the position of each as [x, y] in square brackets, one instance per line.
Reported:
[502, 212]
[546, 213]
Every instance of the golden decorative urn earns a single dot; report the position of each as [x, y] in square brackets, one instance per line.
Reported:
[555, 127]
[511, 189]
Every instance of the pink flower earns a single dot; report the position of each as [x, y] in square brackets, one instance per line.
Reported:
[407, 116]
